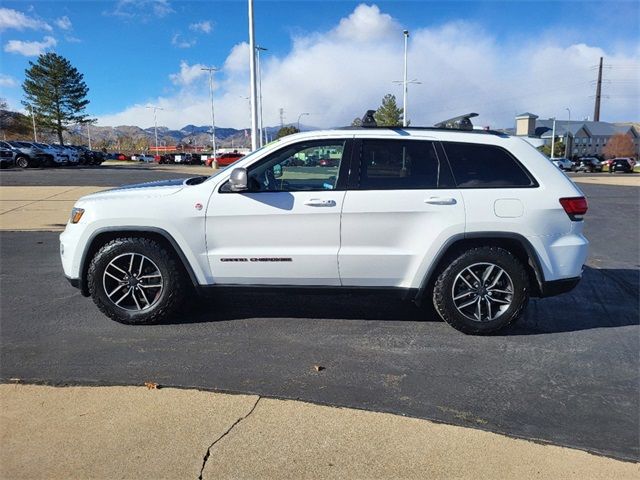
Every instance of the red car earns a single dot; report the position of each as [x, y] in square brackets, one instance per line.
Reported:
[224, 159]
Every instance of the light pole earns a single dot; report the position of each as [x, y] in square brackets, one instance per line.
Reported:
[252, 69]
[566, 144]
[33, 120]
[89, 134]
[155, 122]
[553, 138]
[299, 117]
[405, 83]
[260, 125]
[213, 118]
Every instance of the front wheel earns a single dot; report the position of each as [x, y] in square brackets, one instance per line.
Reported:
[22, 162]
[482, 291]
[136, 281]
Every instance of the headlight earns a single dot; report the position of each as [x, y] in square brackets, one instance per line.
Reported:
[76, 214]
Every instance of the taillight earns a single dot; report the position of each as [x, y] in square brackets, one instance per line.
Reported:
[574, 206]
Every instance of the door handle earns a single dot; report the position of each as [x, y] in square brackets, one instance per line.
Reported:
[441, 201]
[316, 202]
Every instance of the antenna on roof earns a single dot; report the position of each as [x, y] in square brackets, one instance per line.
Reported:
[461, 122]
[369, 120]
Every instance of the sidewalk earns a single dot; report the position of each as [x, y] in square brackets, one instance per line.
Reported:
[133, 432]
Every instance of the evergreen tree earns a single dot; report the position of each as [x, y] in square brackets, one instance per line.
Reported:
[357, 122]
[389, 114]
[56, 92]
[288, 130]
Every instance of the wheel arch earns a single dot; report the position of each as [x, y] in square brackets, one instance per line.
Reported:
[104, 235]
[515, 243]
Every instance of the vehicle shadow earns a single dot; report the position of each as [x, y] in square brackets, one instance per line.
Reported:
[604, 298]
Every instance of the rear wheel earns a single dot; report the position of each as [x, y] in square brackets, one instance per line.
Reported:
[482, 291]
[136, 281]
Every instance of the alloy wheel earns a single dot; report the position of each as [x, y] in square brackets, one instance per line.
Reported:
[133, 282]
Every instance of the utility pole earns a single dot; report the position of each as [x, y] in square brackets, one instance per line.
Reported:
[281, 117]
[155, 123]
[252, 70]
[89, 134]
[260, 125]
[33, 120]
[596, 112]
[213, 118]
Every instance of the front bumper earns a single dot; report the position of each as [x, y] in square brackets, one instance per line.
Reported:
[558, 287]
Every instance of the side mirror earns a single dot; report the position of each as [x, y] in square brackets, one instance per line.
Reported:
[238, 180]
[277, 171]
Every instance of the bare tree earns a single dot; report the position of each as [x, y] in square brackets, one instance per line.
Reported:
[620, 145]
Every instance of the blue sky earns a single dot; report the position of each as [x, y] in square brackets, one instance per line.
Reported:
[332, 59]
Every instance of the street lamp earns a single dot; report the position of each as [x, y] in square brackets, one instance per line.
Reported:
[260, 125]
[405, 83]
[155, 122]
[213, 120]
[299, 117]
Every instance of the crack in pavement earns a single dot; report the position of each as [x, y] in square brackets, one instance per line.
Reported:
[208, 453]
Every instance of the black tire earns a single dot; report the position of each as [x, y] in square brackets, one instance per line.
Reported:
[443, 292]
[168, 300]
[23, 162]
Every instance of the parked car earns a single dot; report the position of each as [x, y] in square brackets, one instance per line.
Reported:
[328, 162]
[29, 155]
[7, 157]
[563, 164]
[224, 159]
[623, 164]
[14, 152]
[122, 156]
[589, 164]
[144, 157]
[471, 220]
[58, 157]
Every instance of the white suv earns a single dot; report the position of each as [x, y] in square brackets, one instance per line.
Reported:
[476, 221]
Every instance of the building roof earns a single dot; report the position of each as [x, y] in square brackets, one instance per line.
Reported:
[593, 129]
[527, 115]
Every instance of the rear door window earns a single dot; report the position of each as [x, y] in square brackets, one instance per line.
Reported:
[402, 165]
[485, 166]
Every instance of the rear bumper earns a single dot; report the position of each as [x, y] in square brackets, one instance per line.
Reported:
[558, 287]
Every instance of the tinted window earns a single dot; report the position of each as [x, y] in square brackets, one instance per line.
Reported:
[485, 166]
[299, 167]
[401, 165]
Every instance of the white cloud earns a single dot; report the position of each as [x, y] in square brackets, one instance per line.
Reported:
[7, 81]
[141, 9]
[30, 49]
[187, 74]
[238, 59]
[64, 23]
[13, 19]
[203, 27]
[338, 74]
[180, 42]
[366, 23]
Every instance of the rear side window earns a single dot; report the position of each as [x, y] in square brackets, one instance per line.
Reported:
[485, 166]
[402, 165]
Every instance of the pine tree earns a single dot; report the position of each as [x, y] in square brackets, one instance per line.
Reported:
[56, 92]
[389, 114]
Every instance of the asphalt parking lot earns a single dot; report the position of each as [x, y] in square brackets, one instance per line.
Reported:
[567, 373]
